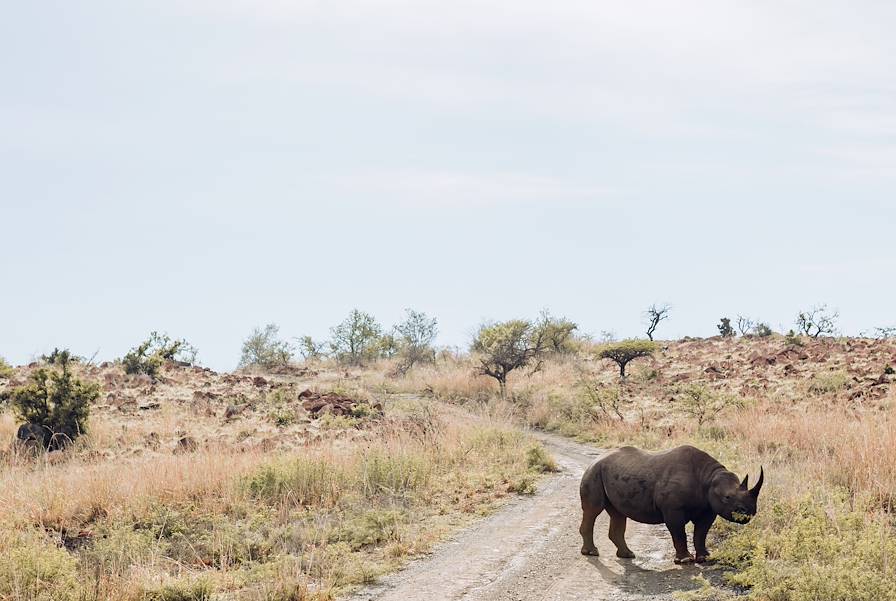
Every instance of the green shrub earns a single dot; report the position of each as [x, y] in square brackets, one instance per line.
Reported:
[814, 548]
[371, 527]
[34, 569]
[830, 382]
[58, 357]
[725, 328]
[538, 459]
[190, 590]
[6, 370]
[762, 330]
[152, 353]
[793, 339]
[57, 402]
[703, 404]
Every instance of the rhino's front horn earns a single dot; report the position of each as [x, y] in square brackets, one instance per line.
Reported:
[755, 490]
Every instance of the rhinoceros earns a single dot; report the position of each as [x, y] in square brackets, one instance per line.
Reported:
[674, 487]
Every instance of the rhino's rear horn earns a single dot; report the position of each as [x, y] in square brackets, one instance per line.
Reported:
[755, 490]
[743, 483]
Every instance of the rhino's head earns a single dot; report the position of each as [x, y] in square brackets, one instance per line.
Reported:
[735, 502]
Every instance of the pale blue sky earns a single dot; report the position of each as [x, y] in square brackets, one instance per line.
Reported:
[204, 167]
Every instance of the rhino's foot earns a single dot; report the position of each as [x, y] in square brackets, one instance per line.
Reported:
[704, 558]
[684, 560]
[590, 551]
[625, 553]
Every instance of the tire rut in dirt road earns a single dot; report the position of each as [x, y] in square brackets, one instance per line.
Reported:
[529, 550]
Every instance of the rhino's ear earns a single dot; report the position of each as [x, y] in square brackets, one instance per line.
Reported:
[743, 483]
[755, 489]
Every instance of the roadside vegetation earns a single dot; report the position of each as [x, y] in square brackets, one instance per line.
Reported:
[295, 480]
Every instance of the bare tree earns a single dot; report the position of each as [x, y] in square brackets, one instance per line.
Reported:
[745, 325]
[817, 321]
[654, 315]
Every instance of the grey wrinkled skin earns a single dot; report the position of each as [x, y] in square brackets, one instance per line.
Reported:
[674, 487]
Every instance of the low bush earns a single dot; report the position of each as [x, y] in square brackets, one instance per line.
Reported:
[149, 356]
[6, 370]
[819, 547]
[830, 382]
[56, 402]
[703, 404]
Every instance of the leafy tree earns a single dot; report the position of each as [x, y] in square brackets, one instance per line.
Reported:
[310, 349]
[762, 329]
[653, 316]
[626, 351]
[355, 339]
[264, 348]
[725, 328]
[817, 321]
[416, 335]
[387, 346]
[506, 346]
[56, 402]
[558, 333]
[149, 356]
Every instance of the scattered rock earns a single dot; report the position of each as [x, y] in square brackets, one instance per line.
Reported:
[233, 411]
[149, 406]
[259, 382]
[316, 403]
[186, 444]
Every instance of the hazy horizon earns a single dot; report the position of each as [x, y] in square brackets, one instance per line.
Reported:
[204, 168]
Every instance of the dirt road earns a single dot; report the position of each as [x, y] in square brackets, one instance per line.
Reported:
[529, 551]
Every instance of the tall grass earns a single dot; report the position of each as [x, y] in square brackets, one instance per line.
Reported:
[184, 526]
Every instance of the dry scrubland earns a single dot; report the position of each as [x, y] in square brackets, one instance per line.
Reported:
[199, 483]
[166, 498]
[819, 415]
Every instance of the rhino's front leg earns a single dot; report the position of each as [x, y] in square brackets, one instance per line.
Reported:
[701, 529]
[675, 522]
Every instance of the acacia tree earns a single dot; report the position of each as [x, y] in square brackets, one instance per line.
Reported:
[817, 321]
[415, 336]
[505, 346]
[626, 351]
[654, 315]
[355, 339]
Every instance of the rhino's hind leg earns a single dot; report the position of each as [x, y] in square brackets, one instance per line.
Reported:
[593, 500]
[617, 533]
[589, 515]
